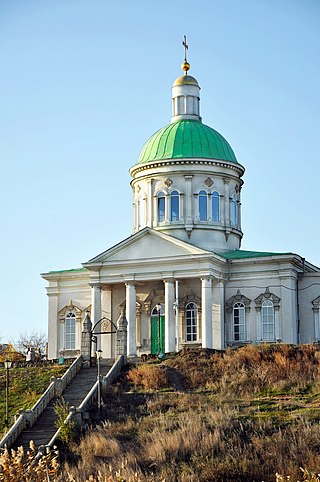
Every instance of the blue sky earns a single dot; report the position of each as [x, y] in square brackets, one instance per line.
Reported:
[83, 85]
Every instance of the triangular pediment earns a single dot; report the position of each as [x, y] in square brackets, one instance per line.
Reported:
[147, 244]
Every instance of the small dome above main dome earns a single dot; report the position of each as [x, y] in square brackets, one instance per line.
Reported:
[186, 139]
[186, 80]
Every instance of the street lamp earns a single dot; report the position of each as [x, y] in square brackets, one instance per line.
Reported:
[7, 365]
[158, 308]
[99, 356]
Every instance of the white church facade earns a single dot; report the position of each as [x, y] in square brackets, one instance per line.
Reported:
[181, 277]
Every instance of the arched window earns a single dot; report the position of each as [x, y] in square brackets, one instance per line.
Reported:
[239, 322]
[161, 207]
[267, 321]
[203, 206]
[233, 210]
[70, 338]
[174, 214]
[215, 207]
[191, 316]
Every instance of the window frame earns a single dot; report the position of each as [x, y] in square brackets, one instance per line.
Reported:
[203, 198]
[161, 199]
[233, 210]
[267, 304]
[239, 335]
[215, 206]
[70, 331]
[191, 322]
[175, 196]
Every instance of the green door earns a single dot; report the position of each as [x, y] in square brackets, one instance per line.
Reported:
[157, 334]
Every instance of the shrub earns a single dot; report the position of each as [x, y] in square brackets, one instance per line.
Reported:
[149, 377]
[67, 427]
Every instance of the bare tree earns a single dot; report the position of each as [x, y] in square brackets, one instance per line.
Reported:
[33, 340]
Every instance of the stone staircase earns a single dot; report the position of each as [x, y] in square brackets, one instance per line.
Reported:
[44, 428]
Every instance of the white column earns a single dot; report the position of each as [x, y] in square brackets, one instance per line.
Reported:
[209, 207]
[239, 214]
[169, 316]
[218, 324]
[106, 340]
[167, 208]
[96, 312]
[206, 302]
[150, 219]
[226, 202]
[131, 318]
[177, 317]
[188, 207]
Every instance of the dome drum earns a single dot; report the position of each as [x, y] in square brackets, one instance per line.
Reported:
[187, 180]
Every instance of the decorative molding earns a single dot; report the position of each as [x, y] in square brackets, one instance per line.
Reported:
[316, 304]
[208, 182]
[168, 182]
[268, 296]
[70, 308]
[237, 298]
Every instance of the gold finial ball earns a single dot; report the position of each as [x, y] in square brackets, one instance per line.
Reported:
[185, 66]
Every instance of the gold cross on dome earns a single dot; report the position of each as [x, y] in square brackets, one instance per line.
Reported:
[186, 46]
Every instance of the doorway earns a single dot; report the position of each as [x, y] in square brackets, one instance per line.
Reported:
[157, 331]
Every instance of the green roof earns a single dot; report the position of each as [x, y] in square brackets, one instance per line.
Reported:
[186, 139]
[241, 254]
[68, 270]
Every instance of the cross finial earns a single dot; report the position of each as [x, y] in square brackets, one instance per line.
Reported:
[186, 46]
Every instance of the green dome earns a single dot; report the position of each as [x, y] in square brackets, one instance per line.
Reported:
[186, 139]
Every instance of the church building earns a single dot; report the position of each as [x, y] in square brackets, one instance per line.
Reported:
[181, 278]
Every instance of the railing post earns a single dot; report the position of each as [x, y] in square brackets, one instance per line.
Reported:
[58, 389]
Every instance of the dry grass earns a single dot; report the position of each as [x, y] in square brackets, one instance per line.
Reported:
[246, 415]
[150, 377]
[202, 444]
[16, 466]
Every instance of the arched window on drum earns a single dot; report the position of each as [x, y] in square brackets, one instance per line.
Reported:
[203, 206]
[161, 207]
[215, 207]
[174, 206]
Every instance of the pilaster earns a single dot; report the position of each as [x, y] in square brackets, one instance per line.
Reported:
[96, 312]
[206, 302]
[131, 318]
[169, 316]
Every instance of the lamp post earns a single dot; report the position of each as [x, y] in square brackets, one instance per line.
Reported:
[7, 365]
[158, 308]
[99, 355]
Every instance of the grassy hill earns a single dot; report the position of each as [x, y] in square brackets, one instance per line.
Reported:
[242, 415]
[26, 384]
[200, 416]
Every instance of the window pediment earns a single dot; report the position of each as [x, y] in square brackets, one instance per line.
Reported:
[268, 296]
[238, 298]
[70, 308]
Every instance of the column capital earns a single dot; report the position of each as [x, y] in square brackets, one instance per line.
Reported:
[95, 285]
[207, 277]
[168, 279]
[129, 282]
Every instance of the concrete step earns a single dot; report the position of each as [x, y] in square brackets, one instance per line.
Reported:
[44, 428]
